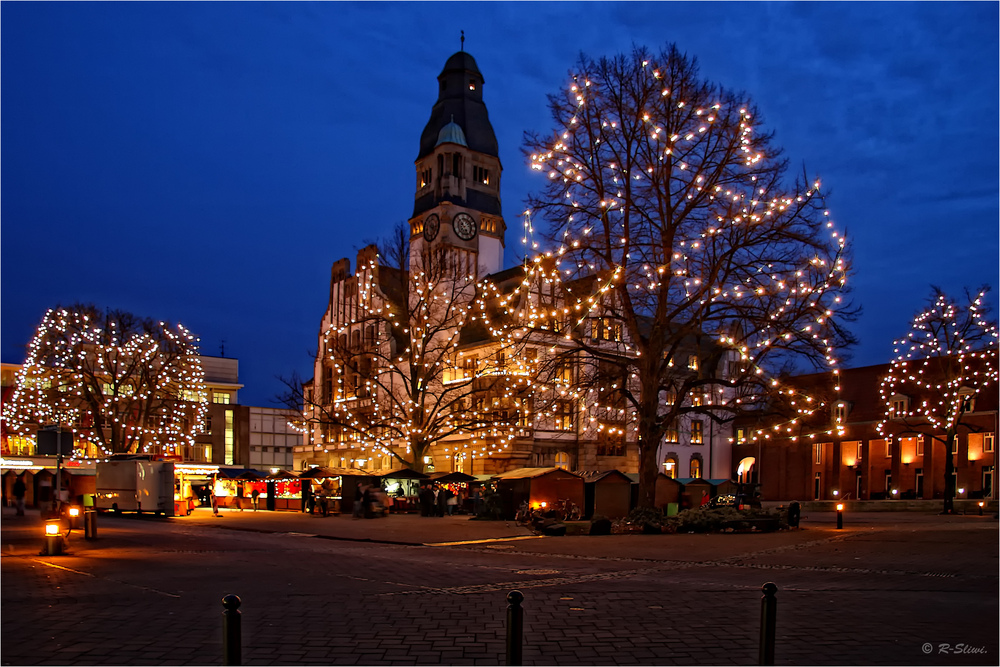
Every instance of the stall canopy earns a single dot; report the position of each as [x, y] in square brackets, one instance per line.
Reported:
[319, 473]
[252, 475]
[403, 473]
[282, 474]
[231, 473]
[451, 477]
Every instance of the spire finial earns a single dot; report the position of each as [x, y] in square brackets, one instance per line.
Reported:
[463, 41]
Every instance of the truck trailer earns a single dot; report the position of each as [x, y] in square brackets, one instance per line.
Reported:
[137, 485]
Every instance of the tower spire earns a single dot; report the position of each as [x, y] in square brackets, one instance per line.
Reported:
[463, 41]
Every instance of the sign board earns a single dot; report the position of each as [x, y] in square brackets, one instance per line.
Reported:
[47, 443]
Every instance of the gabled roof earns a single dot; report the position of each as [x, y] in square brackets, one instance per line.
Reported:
[530, 473]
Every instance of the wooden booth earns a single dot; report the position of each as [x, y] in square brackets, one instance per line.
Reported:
[606, 493]
[537, 486]
[668, 494]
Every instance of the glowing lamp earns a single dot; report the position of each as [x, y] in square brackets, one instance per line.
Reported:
[51, 529]
[74, 512]
[836, 492]
[961, 490]
[895, 492]
[980, 503]
[840, 507]
[544, 505]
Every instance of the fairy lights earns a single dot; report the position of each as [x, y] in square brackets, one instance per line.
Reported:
[664, 190]
[949, 356]
[122, 384]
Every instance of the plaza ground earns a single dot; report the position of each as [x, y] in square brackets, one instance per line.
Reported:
[899, 588]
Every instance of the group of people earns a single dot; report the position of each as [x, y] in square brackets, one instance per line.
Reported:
[370, 500]
[438, 500]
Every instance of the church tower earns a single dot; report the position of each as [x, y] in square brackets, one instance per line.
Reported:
[456, 207]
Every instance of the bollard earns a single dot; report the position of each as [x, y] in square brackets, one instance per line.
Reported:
[231, 640]
[53, 539]
[515, 627]
[840, 516]
[768, 617]
[90, 524]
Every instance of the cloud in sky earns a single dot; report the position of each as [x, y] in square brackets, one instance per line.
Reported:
[207, 162]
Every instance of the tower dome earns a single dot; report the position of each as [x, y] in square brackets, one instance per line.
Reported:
[451, 134]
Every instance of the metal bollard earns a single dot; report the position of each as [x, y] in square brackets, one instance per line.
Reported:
[515, 627]
[231, 631]
[768, 618]
[90, 525]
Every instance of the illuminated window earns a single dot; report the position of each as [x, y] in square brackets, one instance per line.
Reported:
[840, 412]
[670, 467]
[481, 175]
[988, 440]
[695, 468]
[230, 439]
[741, 436]
[564, 415]
[817, 452]
[968, 398]
[425, 179]
[220, 397]
[888, 448]
[697, 432]
[693, 362]
[562, 460]
[671, 434]
[920, 445]
[472, 84]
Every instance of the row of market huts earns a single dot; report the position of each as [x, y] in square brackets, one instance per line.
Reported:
[608, 493]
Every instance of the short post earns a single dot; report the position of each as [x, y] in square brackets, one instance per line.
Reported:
[840, 516]
[515, 627]
[768, 618]
[74, 518]
[90, 524]
[231, 631]
[980, 508]
[53, 539]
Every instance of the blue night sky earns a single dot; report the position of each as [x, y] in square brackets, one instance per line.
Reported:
[207, 162]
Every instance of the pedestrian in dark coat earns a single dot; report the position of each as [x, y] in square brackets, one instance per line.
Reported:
[19, 490]
[442, 500]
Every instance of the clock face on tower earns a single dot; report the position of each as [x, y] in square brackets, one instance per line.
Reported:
[464, 226]
[431, 226]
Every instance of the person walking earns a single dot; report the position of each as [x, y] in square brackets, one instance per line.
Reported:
[358, 497]
[19, 490]
[441, 499]
[239, 495]
[215, 499]
[255, 498]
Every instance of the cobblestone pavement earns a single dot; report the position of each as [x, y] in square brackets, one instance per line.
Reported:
[883, 591]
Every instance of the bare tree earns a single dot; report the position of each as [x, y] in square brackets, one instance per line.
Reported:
[122, 383]
[947, 359]
[400, 377]
[708, 268]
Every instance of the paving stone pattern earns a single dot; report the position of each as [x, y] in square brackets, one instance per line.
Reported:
[149, 593]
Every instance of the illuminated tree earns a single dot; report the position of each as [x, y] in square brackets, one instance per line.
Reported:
[121, 383]
[942, 364]
[425, 360]
[710, 269]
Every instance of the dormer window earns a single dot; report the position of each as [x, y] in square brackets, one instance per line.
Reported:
[968, 399]
[899, 405]
[840, 410]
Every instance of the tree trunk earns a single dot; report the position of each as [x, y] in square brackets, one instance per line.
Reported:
[949, 469]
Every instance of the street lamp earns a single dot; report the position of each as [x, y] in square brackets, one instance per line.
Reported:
[840, 516]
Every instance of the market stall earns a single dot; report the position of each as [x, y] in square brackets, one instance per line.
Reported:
[283, 491]
[402, 486]
[606, 493]
[321, 484]
[461, 485]
[537, 486]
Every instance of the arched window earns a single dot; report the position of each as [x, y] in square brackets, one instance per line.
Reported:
[459, 464]
[744, 471]
[695, 467]
[386, 463]
[670, 466]
[562, 460]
